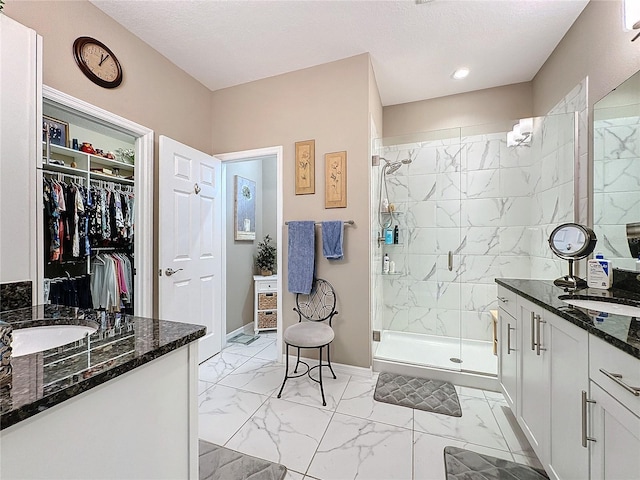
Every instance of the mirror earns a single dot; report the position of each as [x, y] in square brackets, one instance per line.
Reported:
[616, 173]
[571, 241]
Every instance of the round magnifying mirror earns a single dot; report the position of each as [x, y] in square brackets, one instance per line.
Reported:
[572, 241]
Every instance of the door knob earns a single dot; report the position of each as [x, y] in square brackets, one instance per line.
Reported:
[170, 271]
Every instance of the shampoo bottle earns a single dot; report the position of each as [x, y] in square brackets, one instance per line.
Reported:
[599, 273]
[388, 236]
[385, 263]
[396, 235]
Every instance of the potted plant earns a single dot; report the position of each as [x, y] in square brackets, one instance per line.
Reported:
[266, 257]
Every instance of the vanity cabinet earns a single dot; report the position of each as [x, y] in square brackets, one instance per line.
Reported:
[614, 408]
[533, 394]
[551, 371]
[508, 347]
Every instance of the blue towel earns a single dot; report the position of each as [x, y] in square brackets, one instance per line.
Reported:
[332, 234]
[302, 251]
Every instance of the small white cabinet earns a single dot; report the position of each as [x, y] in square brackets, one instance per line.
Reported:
[265, 303]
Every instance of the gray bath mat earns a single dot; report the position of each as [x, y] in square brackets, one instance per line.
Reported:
[463, 464]
[219, 463]
[421, 393]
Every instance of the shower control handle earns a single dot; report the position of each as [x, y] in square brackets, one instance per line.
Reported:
[450, 260]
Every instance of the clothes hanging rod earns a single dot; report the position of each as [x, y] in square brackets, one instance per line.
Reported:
[346, 222]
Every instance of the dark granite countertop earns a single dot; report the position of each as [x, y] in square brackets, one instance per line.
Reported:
[120, 344]
[620, 331]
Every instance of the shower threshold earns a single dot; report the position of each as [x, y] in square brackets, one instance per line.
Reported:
[472, 356]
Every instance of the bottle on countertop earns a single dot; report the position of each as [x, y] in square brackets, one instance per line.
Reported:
[385, 263]
[396, 235]
[599, 272]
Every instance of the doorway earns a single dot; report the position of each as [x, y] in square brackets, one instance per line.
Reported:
[264, 167]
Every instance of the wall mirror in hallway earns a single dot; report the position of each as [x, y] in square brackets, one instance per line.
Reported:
[616, 173]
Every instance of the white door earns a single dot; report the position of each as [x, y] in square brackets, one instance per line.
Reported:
[190, 243]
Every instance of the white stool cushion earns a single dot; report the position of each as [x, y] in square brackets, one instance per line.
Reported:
[309, 334]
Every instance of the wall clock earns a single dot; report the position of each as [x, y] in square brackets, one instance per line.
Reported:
[97, 62]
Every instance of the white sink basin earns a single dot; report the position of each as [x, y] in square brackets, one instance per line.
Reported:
[608, 307]
[36, 339]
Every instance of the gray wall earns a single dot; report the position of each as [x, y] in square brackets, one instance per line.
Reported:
[241, 253]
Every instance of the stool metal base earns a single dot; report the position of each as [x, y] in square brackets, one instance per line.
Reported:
[308, 370]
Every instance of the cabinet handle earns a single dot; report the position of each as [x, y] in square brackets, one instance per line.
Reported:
[585, 438]
[533, 331]
[538, 339]
[509, 349]
[616, 377]
[450, 260]
[503, 299]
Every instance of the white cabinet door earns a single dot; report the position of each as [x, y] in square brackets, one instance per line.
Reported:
[533, 395]
[615, 453]
[567, 349]
[20, 98]
[508, 357]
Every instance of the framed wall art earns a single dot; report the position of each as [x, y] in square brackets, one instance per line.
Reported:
[305, 167]
[244, 211]
[335, 187]
[57, 130]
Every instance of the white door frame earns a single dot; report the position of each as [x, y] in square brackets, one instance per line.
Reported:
[143, 239]
[246, 155]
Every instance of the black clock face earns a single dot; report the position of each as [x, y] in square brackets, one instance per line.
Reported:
[97, 62]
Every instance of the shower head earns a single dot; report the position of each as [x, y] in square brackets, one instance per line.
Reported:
[393, 167]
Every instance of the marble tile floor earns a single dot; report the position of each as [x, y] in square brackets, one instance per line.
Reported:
[353, 436]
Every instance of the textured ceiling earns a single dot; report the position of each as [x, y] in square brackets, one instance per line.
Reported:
[414, 48]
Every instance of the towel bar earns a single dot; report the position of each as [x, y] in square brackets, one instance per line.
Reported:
[346, 222]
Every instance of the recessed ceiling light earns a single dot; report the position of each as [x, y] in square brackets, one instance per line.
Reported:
[460, 73]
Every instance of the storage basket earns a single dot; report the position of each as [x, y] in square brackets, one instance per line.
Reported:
[267, 319]
[267, 301]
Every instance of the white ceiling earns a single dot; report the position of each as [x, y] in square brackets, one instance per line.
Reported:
[414, 48]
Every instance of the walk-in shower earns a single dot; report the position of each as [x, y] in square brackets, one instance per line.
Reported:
[469, 209]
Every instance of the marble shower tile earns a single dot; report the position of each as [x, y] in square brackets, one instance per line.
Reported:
[480, 269]
[621, 142]
[421, 214]
[256, 375]
[481, 184]
[477, 424]
[424, 162]
[478, 297]
[223, 410]
[481, 155]
[448, 157]
[358, 448]
[515, 241]
[511, 157]
[423, 294]
[621, 175]
[422, 187]
[515, 182]
[283, 432]
[448, 213]
[422, 267]
[423, 320]
[477, 326]
[482, 212]
[448, 186]
[480, 240]
[219, 366]
[515, 212]
[423, 240]
[357, 401]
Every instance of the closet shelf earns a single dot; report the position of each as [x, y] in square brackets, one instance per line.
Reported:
[111, 178]
[64, 169]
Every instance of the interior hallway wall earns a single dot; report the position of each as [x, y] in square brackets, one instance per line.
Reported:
[240, 254]
[327, 103]
[154, 92]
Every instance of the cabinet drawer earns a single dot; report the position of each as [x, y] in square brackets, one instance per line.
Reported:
[267, 301]
[267, 319]
[507, 301]
[603, 356]
[266, 286]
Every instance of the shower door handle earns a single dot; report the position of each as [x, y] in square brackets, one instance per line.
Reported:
[450, 260]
